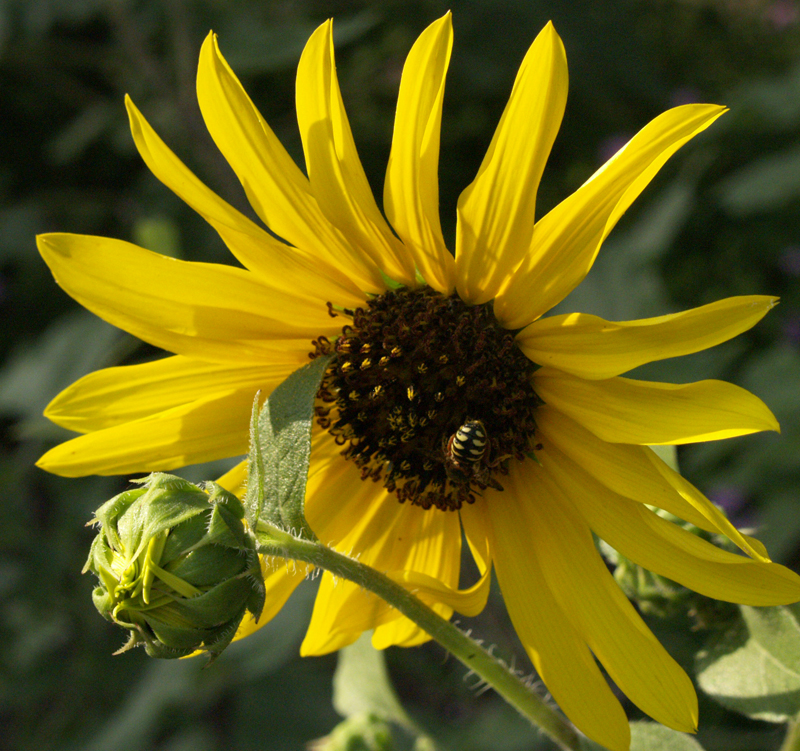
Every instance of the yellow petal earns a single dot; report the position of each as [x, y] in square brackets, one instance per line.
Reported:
[590, 347]
[636, 473]
[418, 549]
[622, 410]
[276, 188]
[588, 594]
[496, 212]
[357, 518]
[567, 239]
[277, 265]
[209, 311]
[430, 589]
[235, 479]
[475, 524]
[558, 652]
[400, 632]
[122, 394]
[667, 549]
[334, 169]
[213, 427]
[281, 578]
[411, 192]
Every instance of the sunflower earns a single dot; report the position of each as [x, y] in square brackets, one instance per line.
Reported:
[452, 406]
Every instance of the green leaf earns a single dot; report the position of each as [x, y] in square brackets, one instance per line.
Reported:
[754, 667]
[280, 451]
[361, 684]
[650, 736]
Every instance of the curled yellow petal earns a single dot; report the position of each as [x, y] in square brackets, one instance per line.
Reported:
[419, 550]
[635, 472]
[667, 549]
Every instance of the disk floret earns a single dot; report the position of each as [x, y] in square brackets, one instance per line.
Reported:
[412, 369]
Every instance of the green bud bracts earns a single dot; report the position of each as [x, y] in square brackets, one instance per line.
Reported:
[177, 566]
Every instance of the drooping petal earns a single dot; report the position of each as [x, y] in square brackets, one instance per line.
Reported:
[558, 652]
[117, 395]
[635, 472]
[692, 495]
[208, 311]
[567, 239]
[276, 188]
[667, 549]
[622, 410]
[329, 629]
[475, 523]
[496, 212]
[590, 347]
[411, 191]
[334, 169]
[353, 515]
[276, 264]
[596, 606]
[212, 427]
[401, 632]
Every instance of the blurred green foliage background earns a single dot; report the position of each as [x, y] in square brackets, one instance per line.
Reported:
[723, 218]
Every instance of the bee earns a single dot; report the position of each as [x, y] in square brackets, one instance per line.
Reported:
[468, 444]
[466, 459]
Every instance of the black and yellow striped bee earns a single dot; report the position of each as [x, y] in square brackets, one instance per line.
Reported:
[466, 458]
[468, 444]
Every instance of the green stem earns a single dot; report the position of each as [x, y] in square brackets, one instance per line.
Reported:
[273, 541]
[792, 740]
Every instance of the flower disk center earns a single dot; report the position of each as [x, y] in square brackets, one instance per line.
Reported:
[428, 395]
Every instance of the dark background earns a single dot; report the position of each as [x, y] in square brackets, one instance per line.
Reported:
[721, 219]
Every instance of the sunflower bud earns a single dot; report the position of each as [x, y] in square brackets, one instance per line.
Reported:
[177, 566]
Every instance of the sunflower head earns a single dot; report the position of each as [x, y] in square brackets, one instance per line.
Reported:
[429, 395]
[176, 566]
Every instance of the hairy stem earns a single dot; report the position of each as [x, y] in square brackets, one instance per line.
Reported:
[275, 542]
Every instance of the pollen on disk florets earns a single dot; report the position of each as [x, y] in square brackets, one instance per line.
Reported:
[408, 372]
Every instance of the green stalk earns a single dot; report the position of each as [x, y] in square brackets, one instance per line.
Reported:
[792, 740]
[275, 542]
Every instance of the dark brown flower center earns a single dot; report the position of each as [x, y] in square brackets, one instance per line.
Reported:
[428, 395]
